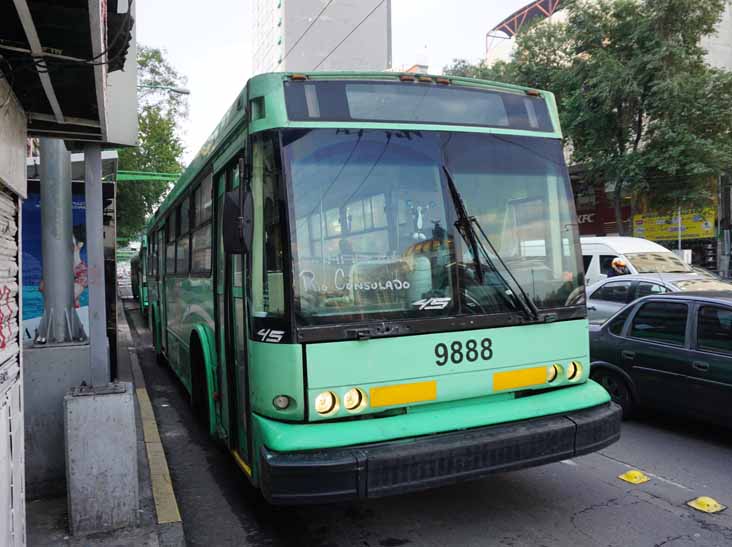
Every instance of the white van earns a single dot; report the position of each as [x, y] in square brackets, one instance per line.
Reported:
[640, 255]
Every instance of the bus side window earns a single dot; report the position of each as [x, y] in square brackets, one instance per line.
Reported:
[170, 248]
[268, 290]
[183, 243]
[202, 206]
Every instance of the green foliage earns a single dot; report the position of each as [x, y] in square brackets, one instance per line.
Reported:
[640, 108]
[159, 147]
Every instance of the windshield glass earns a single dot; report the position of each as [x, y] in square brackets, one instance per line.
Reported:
[658, 263]
[374, 232]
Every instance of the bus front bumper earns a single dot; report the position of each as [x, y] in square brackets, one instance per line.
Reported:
[397, 467]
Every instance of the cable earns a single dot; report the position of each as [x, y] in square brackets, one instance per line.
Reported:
[307, 29]
[332, 51]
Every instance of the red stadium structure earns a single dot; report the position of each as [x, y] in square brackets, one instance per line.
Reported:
[511, 25]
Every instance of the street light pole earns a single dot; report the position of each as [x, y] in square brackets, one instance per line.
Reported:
[178, 90]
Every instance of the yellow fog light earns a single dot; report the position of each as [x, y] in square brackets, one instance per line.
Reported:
[552, 373]
[326, 403]
[574, 370]
[354, 400]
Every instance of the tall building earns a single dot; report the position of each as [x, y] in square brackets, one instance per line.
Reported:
[324, 35]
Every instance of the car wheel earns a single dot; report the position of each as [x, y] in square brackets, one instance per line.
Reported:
[618, 389]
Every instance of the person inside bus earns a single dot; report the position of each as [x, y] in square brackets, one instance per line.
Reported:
[617, 267]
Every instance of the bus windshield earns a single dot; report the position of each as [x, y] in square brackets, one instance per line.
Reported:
[374, 234]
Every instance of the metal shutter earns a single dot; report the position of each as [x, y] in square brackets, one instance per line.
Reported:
[12, 464]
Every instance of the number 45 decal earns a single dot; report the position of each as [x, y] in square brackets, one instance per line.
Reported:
[269, 335]
[432, 303]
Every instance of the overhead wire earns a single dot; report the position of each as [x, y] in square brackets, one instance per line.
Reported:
[339, 44]
[317, 17]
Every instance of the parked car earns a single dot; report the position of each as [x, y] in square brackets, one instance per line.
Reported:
[639, 255]
[672, 351]
[606, 297]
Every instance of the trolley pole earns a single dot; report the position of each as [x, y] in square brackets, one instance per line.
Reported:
[98, 345]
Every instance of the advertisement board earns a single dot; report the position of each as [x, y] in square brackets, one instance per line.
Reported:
[697, 225]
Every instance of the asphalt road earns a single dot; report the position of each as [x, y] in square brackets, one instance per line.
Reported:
[578, 502]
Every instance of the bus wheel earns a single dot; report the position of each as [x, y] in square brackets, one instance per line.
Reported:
[618, 389]
[199, 386]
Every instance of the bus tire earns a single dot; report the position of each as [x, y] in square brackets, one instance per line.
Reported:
[618, 388]
[199, 385]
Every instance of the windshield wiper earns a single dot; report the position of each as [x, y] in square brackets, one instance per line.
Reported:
[465, 225]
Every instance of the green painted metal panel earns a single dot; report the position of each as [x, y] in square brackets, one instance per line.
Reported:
[276, 369]
[438, 418]
[268, 88]
[339, 366]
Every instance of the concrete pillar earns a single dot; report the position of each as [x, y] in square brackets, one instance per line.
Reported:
[60, 323]
[99, 350]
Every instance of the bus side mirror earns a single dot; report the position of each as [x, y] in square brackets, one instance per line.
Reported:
[238, 223]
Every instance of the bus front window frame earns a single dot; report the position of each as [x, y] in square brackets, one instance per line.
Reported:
[560, 249]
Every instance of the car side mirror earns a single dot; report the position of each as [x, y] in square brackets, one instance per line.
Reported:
[238, 223]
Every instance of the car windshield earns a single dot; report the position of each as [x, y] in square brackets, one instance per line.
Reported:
[658, 262]
[373, 230]
[704, 284]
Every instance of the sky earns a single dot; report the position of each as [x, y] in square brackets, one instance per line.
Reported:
[210, 43]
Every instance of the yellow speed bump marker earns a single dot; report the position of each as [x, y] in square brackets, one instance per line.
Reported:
[706, 504]
[634, 477]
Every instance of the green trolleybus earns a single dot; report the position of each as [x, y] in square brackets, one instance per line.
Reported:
[369, 285]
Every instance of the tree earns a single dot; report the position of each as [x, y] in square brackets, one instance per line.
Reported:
[159, 146]
[640, 108]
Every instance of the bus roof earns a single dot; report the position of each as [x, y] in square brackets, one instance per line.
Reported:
[231, 128]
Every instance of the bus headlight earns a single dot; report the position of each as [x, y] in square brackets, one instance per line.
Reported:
[354, 400]
[574, 370]
[326, 403]
[552, 373]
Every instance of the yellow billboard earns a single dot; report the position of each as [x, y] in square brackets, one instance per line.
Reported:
[663, 228]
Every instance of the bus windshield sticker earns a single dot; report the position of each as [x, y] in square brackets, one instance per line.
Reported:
[432, 303]
[269, 335]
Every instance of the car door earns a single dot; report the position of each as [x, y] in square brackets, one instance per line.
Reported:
[711, 361]
[607, 299]
[656, 350]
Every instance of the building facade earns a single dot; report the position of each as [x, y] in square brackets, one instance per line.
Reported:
[308, 35]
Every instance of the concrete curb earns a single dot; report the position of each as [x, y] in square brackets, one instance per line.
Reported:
[168, 523]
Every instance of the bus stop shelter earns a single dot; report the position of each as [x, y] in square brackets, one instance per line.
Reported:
[67, 77]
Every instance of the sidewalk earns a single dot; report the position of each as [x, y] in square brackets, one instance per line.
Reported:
[159, 522]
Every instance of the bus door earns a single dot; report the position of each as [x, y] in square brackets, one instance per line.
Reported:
[231, 335]
[162, 300]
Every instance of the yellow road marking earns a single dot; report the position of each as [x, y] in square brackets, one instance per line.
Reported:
[166, 505]
[706, 504]
[514, 379]
[402, 394]
[634, 476]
